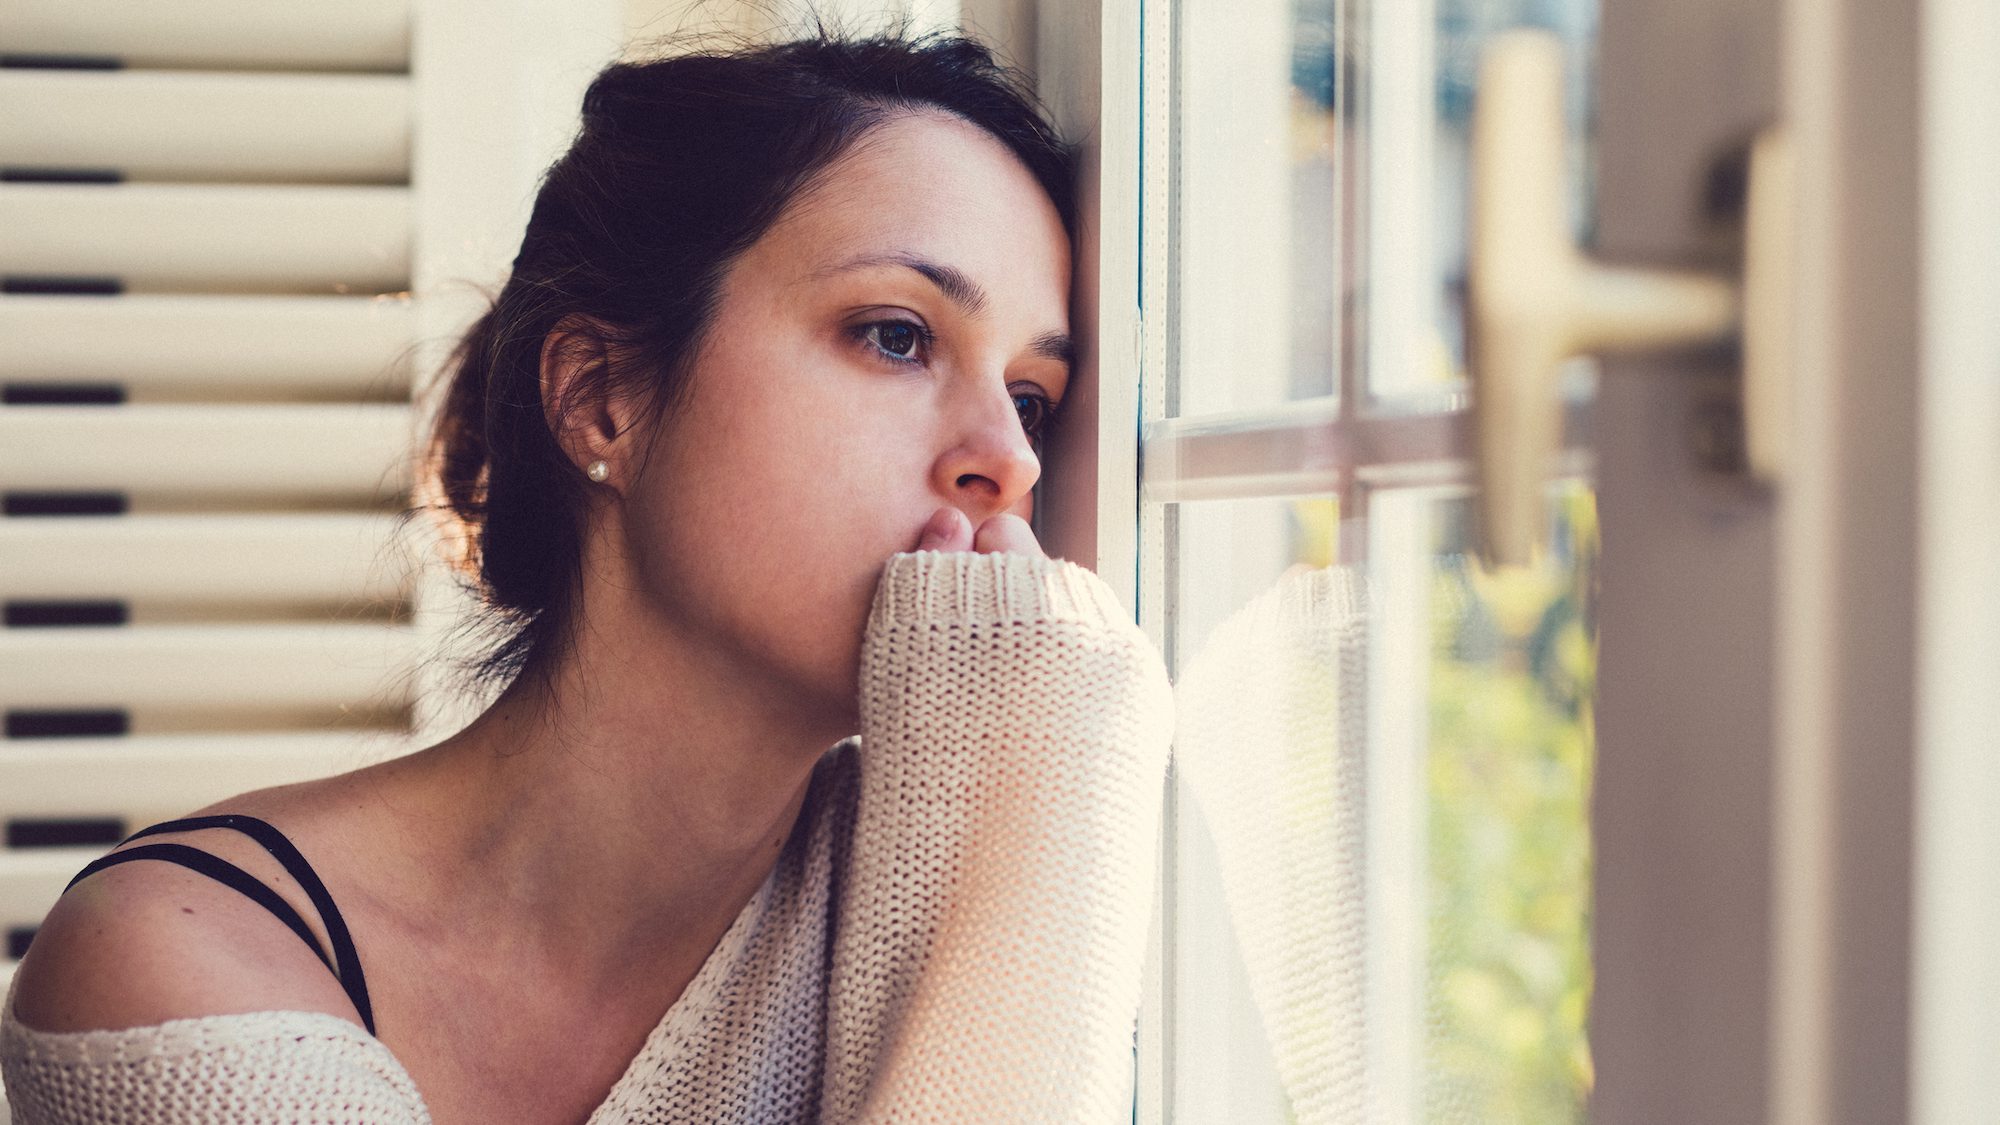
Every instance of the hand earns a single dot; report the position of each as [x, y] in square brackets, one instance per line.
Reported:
[949, 530]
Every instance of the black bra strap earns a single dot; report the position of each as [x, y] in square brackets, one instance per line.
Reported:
[222, 871]
[345, 963]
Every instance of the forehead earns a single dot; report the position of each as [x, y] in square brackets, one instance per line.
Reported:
[933, 186]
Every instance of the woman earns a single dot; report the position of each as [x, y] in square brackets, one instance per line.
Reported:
[743, 454]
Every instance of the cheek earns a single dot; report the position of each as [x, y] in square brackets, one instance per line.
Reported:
[770, 513]
[748, 569]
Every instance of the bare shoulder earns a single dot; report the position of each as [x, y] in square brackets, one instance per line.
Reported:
[143, 942]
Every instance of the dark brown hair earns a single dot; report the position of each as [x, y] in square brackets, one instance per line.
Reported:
[681, 164]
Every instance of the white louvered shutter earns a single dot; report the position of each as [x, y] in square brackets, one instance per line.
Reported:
[214, 215]
[206, 233]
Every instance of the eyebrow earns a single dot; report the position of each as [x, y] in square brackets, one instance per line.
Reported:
[1057, 346]
[962, 291]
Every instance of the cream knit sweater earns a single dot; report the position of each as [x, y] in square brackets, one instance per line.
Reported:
[954, 931]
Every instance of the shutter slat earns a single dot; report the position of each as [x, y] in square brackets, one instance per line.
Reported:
[346, 451]
[165, 125]
[205, 668]
[146, 779]
[269, 347]
[333, 559]
[203, 237]
[307, 34]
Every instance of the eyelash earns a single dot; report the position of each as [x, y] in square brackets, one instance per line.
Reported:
[1046, 409]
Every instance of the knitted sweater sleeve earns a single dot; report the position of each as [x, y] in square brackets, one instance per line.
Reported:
[260, 1068]
[991, 924]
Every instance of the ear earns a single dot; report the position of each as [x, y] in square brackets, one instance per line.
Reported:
[591, 417]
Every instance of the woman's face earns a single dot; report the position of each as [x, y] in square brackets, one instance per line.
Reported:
[889, 347]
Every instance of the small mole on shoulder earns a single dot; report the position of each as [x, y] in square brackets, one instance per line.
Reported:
[187, 910]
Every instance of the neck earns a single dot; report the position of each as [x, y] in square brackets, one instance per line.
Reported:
[621, 810]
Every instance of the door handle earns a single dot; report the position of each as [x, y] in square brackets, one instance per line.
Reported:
[1535, 299]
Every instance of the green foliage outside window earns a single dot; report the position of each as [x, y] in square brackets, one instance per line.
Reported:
[1511, 744]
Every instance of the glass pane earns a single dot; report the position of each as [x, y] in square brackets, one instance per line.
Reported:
[1414, 135]
[1378, 872]
[1257, 239]
[1264, 859]
[1497, 730]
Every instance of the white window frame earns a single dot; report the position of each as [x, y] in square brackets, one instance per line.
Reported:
[1955, 920]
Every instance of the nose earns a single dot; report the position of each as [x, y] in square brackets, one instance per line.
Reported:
[988, 465]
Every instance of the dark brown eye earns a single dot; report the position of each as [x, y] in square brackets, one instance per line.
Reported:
[1036, 413]
[897, 339]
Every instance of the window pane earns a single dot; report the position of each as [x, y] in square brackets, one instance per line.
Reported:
[1502, 748]
[1266, 642]
[1257, 242]
[1413, 136]
[1378, 873]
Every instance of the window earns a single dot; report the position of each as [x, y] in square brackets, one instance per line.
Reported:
[1376, 870]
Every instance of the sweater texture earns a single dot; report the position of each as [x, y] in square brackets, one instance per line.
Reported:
[954, 931]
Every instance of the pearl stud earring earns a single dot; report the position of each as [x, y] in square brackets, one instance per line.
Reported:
[598, 471]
